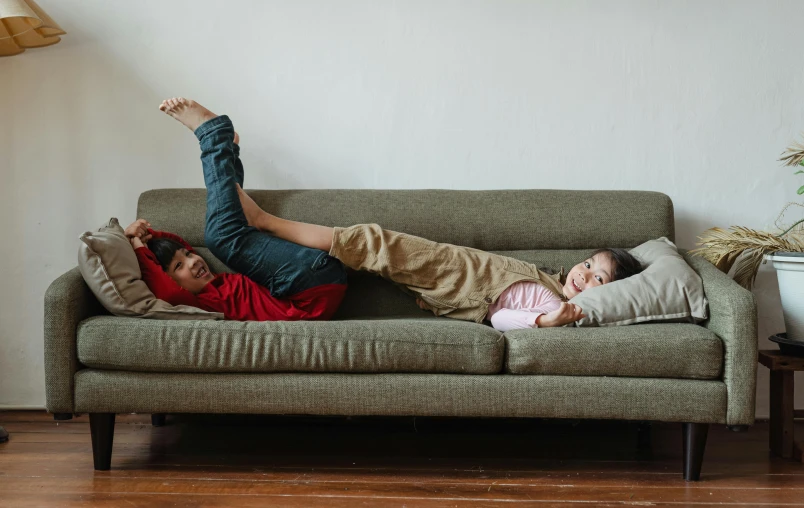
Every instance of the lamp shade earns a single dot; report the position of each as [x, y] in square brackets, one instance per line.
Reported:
[23, 25]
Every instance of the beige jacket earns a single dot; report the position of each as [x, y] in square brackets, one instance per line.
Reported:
[454, 281]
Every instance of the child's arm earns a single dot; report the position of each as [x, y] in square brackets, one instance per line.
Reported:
[159, 282]
[510, 319]
[141, 230]
[546, 317]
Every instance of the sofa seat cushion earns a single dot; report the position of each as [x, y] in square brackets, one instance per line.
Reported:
[682, 351]
[425, 345]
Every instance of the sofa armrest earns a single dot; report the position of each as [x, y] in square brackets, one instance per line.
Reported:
[733, 317]
[68, 301]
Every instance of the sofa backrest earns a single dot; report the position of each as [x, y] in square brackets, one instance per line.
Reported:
[550, 228]
[487, 220]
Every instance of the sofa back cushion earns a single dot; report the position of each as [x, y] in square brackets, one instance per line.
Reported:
[486, 220]
[549, 228]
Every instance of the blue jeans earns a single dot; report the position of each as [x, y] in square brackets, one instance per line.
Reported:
[283, 267]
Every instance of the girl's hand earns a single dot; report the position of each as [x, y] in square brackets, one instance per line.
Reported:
[139, 230]
[566, 314]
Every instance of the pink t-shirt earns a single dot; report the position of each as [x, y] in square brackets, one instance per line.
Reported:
[520, 305]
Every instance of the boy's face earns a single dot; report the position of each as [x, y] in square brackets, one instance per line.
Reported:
[595, 271]
[189, 271]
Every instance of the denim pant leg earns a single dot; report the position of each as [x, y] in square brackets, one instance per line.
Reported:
[238, 166]
[285, 268]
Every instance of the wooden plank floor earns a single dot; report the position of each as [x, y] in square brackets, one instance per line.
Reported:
[250, 461]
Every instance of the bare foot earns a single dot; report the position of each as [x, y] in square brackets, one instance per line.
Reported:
[186, 111]
[255, 216]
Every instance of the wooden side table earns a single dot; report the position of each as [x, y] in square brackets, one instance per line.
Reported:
[782, 413]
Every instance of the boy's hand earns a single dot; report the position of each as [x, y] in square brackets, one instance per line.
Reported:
[136, 243]
[566, 314]
[139, 230]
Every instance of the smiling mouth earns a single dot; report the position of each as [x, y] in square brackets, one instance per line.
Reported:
[576, 286]
[202, 272]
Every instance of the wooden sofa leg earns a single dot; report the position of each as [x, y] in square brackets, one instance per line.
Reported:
[101, 426]
[158, 419]
[694, 445]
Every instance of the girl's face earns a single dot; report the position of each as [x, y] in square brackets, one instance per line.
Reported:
[595, 271]
[189, 271]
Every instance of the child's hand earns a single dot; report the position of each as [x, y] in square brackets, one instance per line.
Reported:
[139, 230]
[421, 304]
[136, 243]
[566, 314]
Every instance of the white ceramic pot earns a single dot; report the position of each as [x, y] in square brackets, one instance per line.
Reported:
[790, 272]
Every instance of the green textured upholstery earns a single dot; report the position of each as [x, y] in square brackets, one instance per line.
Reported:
[487, 220]
[68, 300]
[432, 345]
[682, 351]
[733, 317]
[675, 400]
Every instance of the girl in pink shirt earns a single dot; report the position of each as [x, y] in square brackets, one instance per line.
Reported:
[522, 305]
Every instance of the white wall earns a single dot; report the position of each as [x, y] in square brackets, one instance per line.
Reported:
[694, 99]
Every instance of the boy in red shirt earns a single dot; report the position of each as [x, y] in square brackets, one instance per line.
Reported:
[276, 281]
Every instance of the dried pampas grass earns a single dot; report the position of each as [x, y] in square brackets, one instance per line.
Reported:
[723, 248]
[794, 155]
[747, 247]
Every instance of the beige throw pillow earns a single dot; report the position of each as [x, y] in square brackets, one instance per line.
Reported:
[667, 290]
[110, 269]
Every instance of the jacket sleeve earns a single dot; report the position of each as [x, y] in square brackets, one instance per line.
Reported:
[170, 236]
[160, 283]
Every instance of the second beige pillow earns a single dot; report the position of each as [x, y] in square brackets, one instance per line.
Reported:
[668, 289]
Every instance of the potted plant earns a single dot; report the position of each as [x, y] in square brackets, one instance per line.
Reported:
[746, 249]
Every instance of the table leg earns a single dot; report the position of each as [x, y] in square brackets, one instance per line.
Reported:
[781, 413]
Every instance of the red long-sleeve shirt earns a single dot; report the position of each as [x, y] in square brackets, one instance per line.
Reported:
[236, 296]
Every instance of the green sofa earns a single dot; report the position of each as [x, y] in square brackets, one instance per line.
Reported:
[382, 355]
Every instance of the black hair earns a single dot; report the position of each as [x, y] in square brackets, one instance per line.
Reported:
[625, 264]
[164, 250]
